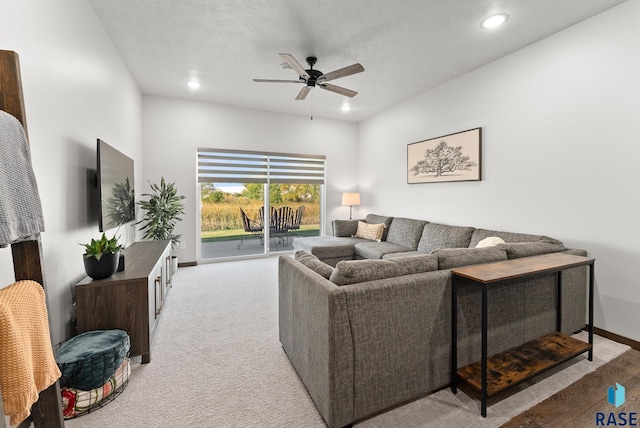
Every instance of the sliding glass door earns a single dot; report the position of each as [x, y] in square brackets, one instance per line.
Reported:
[257, 203]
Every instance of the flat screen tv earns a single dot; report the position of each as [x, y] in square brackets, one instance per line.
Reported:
[115, 187]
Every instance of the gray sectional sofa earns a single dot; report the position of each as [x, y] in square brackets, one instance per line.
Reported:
[367, 325]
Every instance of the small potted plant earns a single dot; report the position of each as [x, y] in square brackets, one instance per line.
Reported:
[162, 212]
[101, 257]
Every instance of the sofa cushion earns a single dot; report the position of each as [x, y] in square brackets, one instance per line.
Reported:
[450, 258]
[326, 247]
[356, 271]
[313, 263]
[370, 231]
[406, 232]
[404, 254]
[437, 236]
[375, 219]
[345, 227]
[480, 234]
[416, 263]
[524, 249]
[375, 250]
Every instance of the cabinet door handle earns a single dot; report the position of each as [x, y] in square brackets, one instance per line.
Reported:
[159, 282]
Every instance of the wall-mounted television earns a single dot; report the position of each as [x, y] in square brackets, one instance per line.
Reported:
[115, 187]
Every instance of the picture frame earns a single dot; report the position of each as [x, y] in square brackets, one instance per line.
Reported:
[452, 157]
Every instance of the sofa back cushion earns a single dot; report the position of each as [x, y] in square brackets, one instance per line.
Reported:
[355, 271]
[450, 258]
[406, 232]
[525, 249]
[376, 219]
[345, 228]
[480, 234]
[313, 263]
[436, 236]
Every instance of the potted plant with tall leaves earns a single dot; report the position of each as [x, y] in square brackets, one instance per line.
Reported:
[162, 212]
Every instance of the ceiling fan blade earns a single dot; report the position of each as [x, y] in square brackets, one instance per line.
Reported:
[294, 64]
[343, 72]
[277, 81]
[303, 93]
[338, 89]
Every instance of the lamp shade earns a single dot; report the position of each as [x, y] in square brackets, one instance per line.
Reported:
[351, 198]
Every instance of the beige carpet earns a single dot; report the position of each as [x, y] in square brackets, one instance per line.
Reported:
[217, 362]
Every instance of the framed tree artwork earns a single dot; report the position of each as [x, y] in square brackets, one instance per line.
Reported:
[453, 157]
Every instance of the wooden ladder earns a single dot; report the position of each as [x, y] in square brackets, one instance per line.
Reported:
[27, 255]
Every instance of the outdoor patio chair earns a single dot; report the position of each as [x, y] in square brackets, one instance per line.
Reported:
[297, 218]
[279, 225]
[253, 227]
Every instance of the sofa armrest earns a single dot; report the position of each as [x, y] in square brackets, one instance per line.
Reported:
[401, 338]
[315, 334]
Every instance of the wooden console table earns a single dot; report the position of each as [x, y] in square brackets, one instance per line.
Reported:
[516, 365]
[130, 300]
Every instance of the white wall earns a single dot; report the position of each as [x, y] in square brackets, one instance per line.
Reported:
[174, 129]
[560, 152]
[76, 89]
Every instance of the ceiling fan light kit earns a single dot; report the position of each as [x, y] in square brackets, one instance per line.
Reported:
[315, 78]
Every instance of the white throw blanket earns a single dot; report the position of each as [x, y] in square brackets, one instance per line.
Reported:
[20, 208]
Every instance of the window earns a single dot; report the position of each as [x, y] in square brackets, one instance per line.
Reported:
[237, 185]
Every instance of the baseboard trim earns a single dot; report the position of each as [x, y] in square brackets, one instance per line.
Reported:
[616, 337]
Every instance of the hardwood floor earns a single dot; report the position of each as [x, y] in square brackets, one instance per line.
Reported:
[577, 405]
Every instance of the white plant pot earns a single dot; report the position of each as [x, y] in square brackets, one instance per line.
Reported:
[174, 264]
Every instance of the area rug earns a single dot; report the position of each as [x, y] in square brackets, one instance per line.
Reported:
[217, 362]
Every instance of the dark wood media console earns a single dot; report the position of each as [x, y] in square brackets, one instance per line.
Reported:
[130, 300]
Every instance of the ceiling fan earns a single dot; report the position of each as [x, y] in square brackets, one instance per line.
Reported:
[312, 78]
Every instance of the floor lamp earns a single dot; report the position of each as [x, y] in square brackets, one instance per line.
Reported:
[351, 199]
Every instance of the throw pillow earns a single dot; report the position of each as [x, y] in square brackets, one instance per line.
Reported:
[375, 219]
[370, 231]
[313, 263]
[490, 242]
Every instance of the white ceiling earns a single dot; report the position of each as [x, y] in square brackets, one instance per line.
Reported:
[405, 46]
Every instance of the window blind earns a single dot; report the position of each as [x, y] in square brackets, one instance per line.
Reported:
[232, 166]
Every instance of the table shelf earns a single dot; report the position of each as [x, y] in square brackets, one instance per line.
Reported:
[492, 375]
[523, 362]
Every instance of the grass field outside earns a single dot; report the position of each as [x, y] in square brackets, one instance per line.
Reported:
[237, 234]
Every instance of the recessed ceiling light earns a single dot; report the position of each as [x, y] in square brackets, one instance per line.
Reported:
[345, 107]
[494, 21]
[193, 84]
[286, 67]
